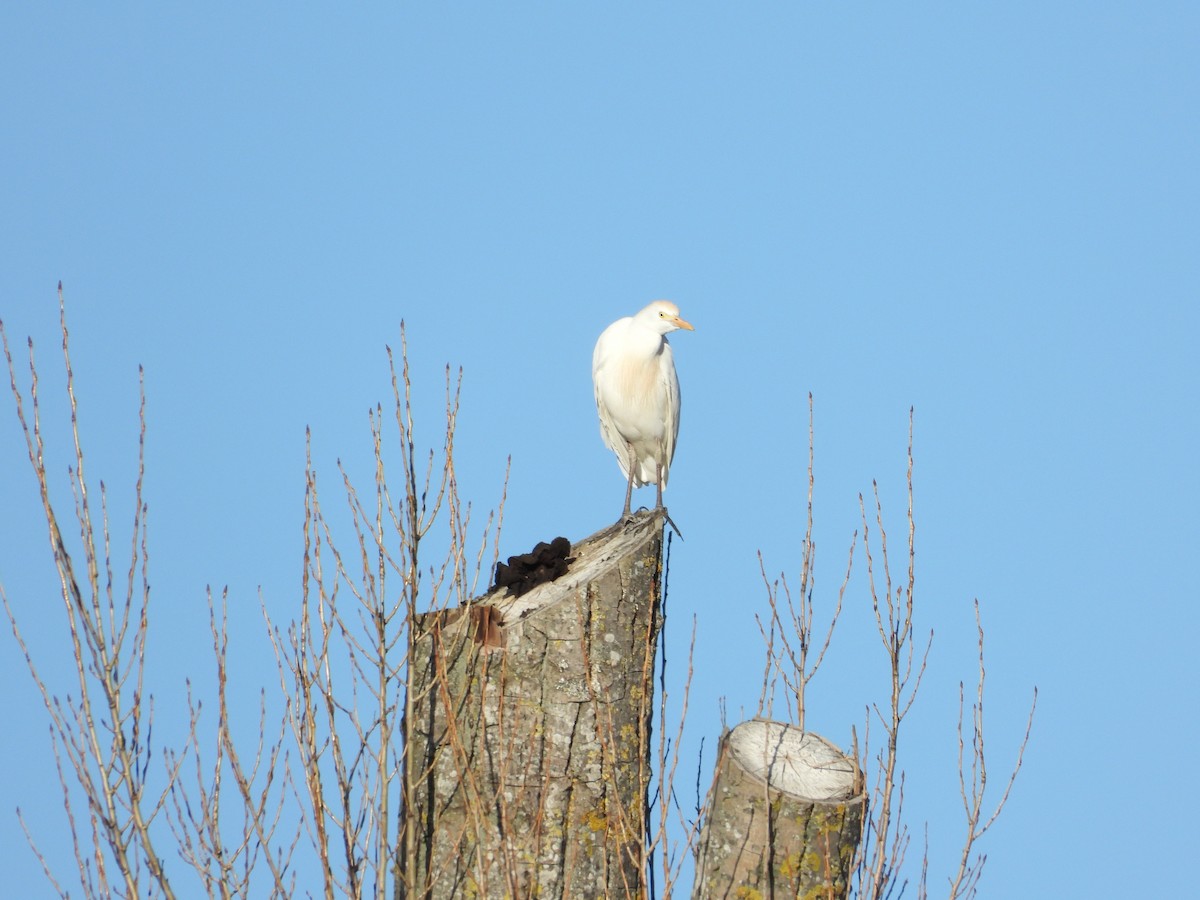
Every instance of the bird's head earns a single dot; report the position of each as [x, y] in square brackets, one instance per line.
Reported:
[663, 316]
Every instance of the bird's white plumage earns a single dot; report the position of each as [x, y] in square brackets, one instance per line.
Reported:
[637, 392]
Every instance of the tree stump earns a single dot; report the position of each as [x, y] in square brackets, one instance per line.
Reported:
[528, 739]
[785, 816]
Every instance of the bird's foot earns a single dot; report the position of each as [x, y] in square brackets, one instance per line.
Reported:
[671, 522]
[629, 518]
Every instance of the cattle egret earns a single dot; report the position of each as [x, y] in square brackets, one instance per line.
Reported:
[637, 394]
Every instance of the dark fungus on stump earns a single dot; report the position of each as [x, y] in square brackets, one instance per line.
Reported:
[545, 562]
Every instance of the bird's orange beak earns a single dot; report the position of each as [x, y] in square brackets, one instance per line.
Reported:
[680, 323]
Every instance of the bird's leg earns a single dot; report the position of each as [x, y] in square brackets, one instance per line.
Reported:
[663, 508]
[629, 487]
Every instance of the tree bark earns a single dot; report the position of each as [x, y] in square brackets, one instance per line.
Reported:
[785, 816]
[529, 740]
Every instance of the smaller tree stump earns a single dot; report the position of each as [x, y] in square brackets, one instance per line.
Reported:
[785, 816]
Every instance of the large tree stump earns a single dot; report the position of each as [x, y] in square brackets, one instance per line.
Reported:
[528, 732]
[785, 816]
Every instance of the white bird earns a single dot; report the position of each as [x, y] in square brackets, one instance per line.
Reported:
[637, 394]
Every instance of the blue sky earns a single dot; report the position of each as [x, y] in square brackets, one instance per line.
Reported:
[987, 212]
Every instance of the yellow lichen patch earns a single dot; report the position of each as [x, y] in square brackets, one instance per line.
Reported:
[595, 819]
[813, 862]
[789, 866]
[748, 893]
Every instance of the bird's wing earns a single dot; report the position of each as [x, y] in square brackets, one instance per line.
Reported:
[671, 413]
[601, 368]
